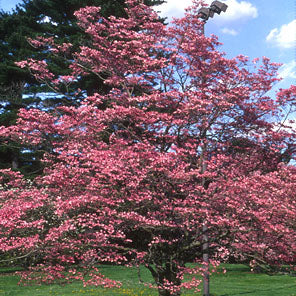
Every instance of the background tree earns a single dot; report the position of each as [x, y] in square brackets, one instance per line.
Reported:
[13, 81]
[18, 88]
[135, 182]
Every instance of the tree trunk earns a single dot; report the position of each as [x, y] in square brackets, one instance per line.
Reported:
[14, 163]
[205, 256]
[205, 238]
[163, 273]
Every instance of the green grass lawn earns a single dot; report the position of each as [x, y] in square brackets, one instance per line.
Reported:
[238, 281]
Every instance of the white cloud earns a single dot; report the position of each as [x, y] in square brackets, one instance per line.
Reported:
[284, 37]
[229, 31]
[288, 71]
[173, 8]
[237, 10]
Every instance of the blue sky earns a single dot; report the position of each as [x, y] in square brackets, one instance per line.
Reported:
[254, 28]
[8, 4]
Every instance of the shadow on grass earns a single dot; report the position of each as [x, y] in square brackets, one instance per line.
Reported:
[10, 270]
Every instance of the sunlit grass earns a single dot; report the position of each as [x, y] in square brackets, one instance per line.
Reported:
[238, 281]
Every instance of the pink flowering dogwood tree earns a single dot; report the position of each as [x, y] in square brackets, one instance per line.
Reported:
[186, 138]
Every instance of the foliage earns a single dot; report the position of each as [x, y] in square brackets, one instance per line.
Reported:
[18, 88]
[14, 47]
[185, 145]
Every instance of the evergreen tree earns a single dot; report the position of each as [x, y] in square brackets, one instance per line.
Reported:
[14, 82]
[19, 89]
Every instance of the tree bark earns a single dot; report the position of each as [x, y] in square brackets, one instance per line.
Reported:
[205, 237]
[163, 273]
[205, 257]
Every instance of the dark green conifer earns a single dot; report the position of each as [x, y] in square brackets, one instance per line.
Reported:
[18, 89]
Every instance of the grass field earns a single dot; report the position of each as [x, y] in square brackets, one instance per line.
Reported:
[238, 281]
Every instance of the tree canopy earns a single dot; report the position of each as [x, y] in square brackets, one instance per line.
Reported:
[142, 177]
[18, 88]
